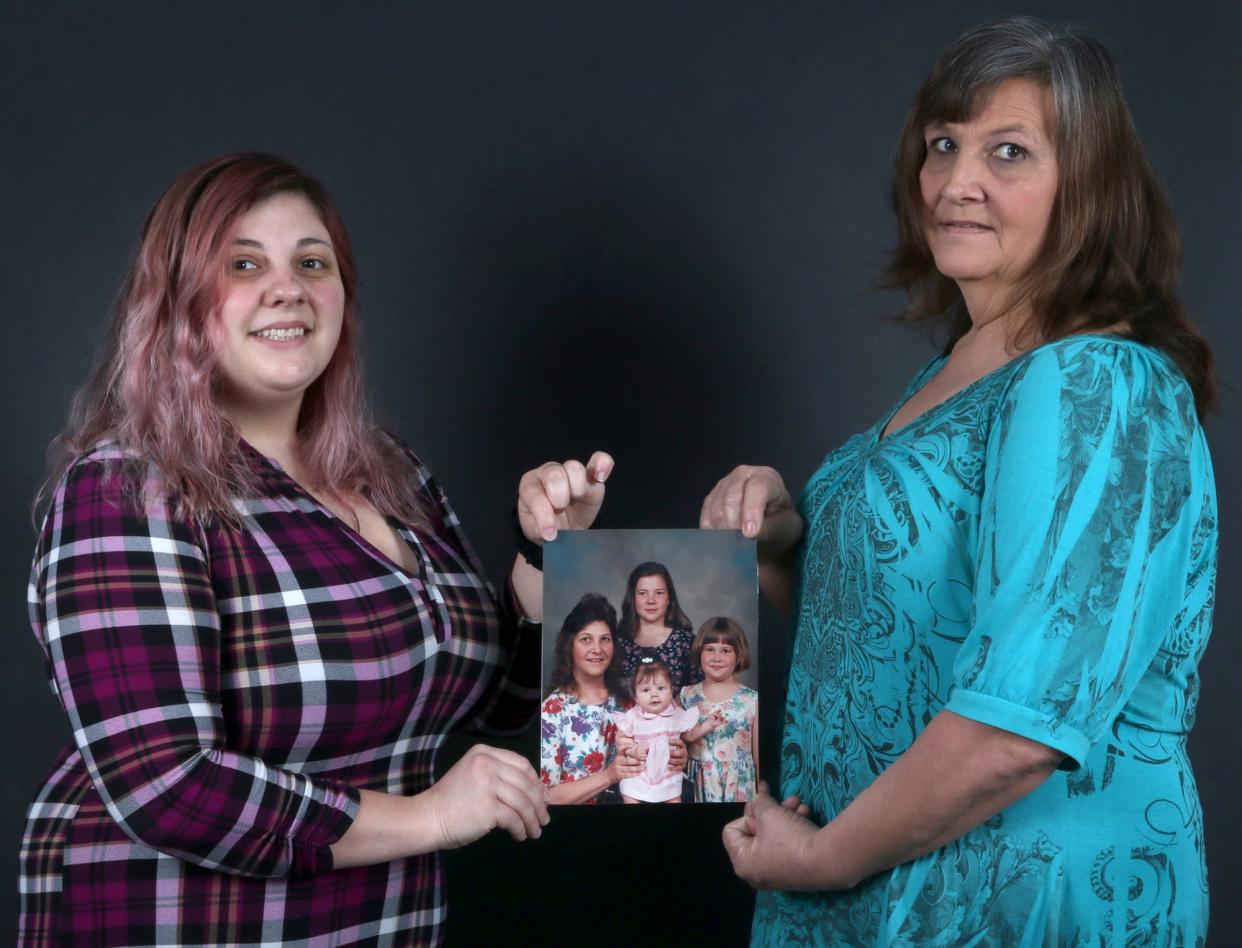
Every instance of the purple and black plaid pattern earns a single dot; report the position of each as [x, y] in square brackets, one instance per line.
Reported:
[227, 691]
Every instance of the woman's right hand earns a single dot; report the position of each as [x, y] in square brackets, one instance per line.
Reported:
[629, 759]
[625, 765]
[755, 501]
[566, 496]
[551, 498]
[487, 788]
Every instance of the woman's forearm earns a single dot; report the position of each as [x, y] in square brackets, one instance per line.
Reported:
[957, 774]
[778, 562]
[387, 827]
[487, 789]
[777, 577]
[582, 790]
[528, 588]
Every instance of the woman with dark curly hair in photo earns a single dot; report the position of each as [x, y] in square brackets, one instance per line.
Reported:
[1002, 589]
[578, 762]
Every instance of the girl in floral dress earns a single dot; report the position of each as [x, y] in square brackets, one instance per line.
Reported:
[577, 738]
[724, 760]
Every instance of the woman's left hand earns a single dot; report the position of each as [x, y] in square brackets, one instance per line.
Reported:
[770, 844]
[565, 496]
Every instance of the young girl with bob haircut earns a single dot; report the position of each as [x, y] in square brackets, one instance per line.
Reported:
[259, 611]
[724, 747]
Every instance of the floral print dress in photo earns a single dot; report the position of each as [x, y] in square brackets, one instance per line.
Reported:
[575, 739]
[722, 764]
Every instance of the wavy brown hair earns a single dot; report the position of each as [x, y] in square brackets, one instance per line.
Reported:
[153, 390]
[592, 607]
[1112, 254]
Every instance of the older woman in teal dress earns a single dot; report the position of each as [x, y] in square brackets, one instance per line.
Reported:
[1002, 589]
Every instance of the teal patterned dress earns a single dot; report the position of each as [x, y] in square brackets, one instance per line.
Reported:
[1036, 553]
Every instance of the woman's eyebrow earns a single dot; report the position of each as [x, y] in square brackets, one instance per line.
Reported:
[304, 241]
[1009, 129]
[949, 128]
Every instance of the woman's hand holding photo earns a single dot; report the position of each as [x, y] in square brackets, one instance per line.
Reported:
[488, 788]
[554, 497]
[770, 844]
[566, 496]
[756, 501]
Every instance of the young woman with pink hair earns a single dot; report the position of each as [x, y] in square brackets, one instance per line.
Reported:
[259, 611]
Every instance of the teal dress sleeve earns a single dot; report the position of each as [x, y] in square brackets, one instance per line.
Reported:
[1083, 542]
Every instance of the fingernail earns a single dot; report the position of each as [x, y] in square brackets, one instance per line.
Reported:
[549, 535]
[749, 528]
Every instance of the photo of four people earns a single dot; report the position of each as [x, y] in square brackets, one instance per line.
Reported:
[643, 705]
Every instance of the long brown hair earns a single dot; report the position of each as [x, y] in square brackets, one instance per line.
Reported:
[674, 617]
[153, 389]
[1112, 254]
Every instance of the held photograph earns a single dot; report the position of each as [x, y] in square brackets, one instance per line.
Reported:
[650, 668]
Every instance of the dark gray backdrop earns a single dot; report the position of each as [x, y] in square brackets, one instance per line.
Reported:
[648, 227]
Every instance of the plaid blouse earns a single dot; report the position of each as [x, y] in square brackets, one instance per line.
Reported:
[228, 690]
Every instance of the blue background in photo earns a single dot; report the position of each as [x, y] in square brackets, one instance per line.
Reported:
[713, 571]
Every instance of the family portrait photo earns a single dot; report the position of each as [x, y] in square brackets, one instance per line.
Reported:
[641, 702]
[465, 459]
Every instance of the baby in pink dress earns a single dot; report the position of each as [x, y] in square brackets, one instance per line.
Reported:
[654, 718]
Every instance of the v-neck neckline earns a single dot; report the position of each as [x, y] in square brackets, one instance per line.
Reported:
[880, 438]
[367, 546]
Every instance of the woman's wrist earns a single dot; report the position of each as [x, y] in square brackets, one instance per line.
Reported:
[423, 829]
[584, 790]
[388, 827]
[781, 533]
[529, 551]
[527, 585]
[816, 859]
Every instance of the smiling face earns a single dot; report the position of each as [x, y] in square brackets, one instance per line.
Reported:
[654, 693]
[281, 307]
[719, 660]
[592, 651]
[651, 599]
[988, 186]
